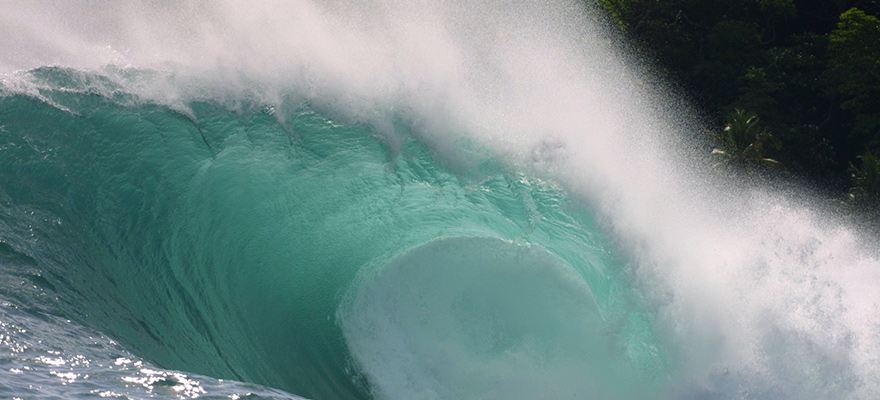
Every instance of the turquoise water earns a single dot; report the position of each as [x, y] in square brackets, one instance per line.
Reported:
[310, 255]
[396, 200]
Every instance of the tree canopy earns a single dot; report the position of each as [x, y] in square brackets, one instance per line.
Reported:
[810, 70]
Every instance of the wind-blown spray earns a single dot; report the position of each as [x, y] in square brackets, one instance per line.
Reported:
[409, 200]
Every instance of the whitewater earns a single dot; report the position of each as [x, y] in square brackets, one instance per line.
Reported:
[396, 200]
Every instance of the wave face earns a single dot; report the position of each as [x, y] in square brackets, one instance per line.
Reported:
[225, 247]
[394, 201]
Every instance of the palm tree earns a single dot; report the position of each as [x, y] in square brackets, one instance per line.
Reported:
[742, 142]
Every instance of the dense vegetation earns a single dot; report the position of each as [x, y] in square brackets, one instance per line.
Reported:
[804, 73]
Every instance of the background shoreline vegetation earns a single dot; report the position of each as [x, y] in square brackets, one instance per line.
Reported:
[791, 85]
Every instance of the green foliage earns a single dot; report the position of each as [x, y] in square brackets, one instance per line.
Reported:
[854, 64]
[743, 141]
[617, 11]
[811, 72]
[786, 88]
[780, 7]
[865, 192]
[810, 69]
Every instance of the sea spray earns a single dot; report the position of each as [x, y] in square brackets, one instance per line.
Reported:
[210, 184]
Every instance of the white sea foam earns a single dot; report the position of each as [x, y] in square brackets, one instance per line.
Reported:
[759, 295]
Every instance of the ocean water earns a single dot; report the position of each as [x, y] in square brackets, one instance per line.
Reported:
[324, 200]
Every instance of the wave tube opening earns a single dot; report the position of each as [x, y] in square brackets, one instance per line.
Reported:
[218, 186]
[469, 317]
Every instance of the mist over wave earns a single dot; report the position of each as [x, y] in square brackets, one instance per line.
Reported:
[459, 200]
